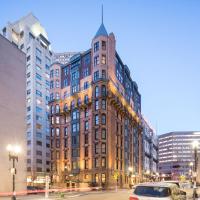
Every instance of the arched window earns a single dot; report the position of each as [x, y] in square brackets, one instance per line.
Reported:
[96, 91]
[103, 90]
[96, 119]
[52, 132]
[103, 119]
[57, 108]
[66, 131]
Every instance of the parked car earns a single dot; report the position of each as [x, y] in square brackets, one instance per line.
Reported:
[174, 182]
[34, 189]
[157, 191]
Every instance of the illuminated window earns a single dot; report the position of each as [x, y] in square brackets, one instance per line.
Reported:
[57, 131]
[103, 59]
[96, 91]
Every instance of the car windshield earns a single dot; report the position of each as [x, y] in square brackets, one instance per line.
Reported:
[176, 183]
[151, 191]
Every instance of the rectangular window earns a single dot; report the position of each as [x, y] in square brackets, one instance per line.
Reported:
[48, 61]
[85, 72]
[86, 125]
[103, 44]
[103, 162]
[96, 46]
[103, 59]
[103, 134]
[103, 119]
[96, 148]
[96, 75]
[38, 109]
[96, 119]
[103, 74]
[96, 134]
[103, 104]
[86, 113]
[86, 85]
[103, 148]
[51, 73]
[39, 143]
[28, 58]
[28, 92]
[38, 52]
[57, 143]
[96, 162]
[57, 84]
[86, 151]
[103, 178]
[57, 72]
[38, 61]
[96, 104]
[38, 76]
[38, 93]
[86, 164]
[86, 138]
[96, 60]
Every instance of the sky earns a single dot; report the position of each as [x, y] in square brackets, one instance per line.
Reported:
[158, 39]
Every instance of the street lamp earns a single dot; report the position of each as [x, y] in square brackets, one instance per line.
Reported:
[13, 155]
[130, 169]
[195, 145]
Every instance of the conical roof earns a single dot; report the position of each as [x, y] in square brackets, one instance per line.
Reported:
[101, 31]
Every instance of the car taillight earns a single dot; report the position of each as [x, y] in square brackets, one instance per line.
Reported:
[133, 198]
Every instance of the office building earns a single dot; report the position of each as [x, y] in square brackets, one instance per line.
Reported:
[12, 114]
[176, 154]
[95, 106]
[28, 35]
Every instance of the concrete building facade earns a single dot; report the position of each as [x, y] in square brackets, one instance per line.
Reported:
[28, 35]
[176, 154]
[96, 133]
[12, 113]
[63, 58]
[150, 152]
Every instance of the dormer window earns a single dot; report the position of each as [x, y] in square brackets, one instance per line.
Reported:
[103, 44]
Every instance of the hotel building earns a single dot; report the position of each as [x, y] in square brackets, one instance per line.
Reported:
[28, 35]
[176, 153]
[95, 106]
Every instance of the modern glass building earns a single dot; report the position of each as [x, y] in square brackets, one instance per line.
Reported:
[176, 153]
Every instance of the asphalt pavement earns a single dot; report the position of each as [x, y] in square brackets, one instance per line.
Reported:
[93, 195]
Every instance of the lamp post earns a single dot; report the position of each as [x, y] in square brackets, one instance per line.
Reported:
[130, 169]
[13, 152]
[195, 147]
[191, 169]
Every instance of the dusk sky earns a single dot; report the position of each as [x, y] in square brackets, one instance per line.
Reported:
[159, 41]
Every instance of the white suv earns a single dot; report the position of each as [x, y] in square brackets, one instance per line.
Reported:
[156, 191]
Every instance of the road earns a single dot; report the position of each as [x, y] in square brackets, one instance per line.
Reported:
[100, 195]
